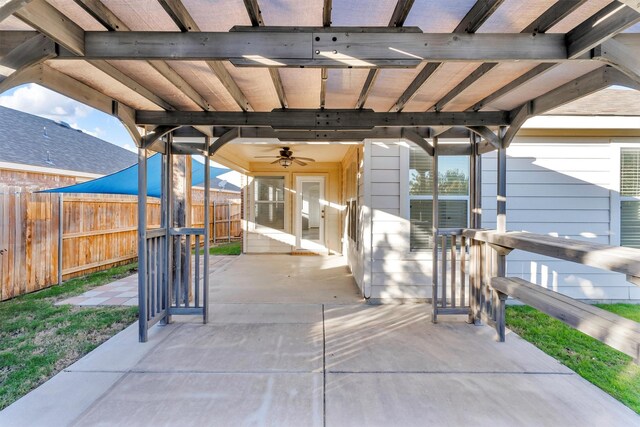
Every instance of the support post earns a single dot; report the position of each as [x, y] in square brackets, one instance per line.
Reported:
[207, 195]
[502, 196]
[181, 189]
[475, 184]
[60, 234]
[500, 260]
[169, 223]
[434, 230]
[164, 221]
[142, 244]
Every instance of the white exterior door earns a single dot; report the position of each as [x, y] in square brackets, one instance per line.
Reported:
[310, 213]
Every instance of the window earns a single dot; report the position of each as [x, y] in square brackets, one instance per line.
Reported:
[269, 201]
[453, 199]
[630, 197]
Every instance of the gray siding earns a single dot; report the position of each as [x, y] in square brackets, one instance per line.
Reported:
[563, 187]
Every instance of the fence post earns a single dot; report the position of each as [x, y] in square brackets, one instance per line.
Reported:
[229, 220]
[60, 231]
[215, 230]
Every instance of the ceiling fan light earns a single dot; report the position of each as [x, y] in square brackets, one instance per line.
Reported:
[285, 162]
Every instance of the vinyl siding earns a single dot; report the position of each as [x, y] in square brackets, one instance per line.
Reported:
[565, 189]
[561, 186]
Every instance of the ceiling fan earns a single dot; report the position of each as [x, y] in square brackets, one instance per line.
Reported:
[285, 158]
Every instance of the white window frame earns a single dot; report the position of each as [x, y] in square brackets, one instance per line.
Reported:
[408, 197]
[616, 199]
[256, 202]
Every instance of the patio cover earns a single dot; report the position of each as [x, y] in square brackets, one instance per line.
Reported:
[392, 68]
[126, 180]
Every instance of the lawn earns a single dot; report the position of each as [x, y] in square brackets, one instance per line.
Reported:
[609, 369]
[38, 339]
[233, 248]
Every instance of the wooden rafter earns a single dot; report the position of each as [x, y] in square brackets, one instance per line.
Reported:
[542, 24]
[8, 8]
[183, 19]
[111, 22]
[34, 50]
[256, 20]
[324, 76]
[399, 15]
[49, 21]
[479, 13]
[612, 19]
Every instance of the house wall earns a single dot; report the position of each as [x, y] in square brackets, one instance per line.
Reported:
[396, 273]
[266, 240]
[559, 185]
[566, 187]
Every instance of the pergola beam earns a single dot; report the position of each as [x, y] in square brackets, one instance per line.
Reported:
[321, 119]
[349, 50]
[606, 23]
[620, 56]
[256, 20]
[479, 13]
[9, 40]
[183, 19]
[399, 15]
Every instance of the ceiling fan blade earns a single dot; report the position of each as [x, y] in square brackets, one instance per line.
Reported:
[274, 162]
[295, 159]
[266, 157]
[306, 158]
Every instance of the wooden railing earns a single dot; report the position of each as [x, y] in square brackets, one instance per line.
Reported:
[189, 289]
[490, 287]
[450, 293]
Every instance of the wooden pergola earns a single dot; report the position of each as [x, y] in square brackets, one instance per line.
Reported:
[422, 71]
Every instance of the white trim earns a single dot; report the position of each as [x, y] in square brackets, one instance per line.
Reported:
[614, 192]
[405, 202]
[367, 229]
[50, 171]
[581, 122]
[299, 179]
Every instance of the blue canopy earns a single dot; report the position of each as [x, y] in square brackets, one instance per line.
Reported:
[126, 180]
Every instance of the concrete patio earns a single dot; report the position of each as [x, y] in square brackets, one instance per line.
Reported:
[290, 343]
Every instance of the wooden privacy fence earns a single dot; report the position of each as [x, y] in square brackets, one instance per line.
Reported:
[99, 231]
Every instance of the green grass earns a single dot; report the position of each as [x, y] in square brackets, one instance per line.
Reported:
[38, 339]
[233, 248]
[612, 371]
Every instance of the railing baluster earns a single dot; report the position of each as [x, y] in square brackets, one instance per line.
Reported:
[178, 259]
[444, 270]
[187, 278]
[197, 272]
[453, 270]
[463, 270]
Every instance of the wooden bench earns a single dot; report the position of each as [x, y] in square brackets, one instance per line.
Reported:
[617, 332]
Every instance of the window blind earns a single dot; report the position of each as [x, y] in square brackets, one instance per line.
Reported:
[629, 192]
